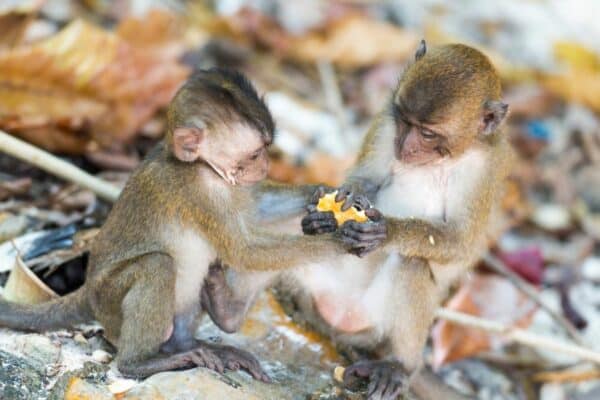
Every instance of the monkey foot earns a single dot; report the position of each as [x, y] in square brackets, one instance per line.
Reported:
[387, 379]
[233, 359]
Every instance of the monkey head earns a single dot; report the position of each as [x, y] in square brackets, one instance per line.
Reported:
[217, 118]
[446, 101]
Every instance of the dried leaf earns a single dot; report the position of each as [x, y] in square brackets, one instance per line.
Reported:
[85, 87]
[488, 296]
[335, 42]
[23, 286]
[527, 263]
[580, 82]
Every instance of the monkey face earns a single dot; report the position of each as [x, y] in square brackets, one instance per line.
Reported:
[417, 144]
[237, 153]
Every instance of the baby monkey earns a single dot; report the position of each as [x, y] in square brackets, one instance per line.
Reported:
[192, 201]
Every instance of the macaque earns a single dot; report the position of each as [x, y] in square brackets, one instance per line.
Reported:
[432, 165]
[191, 202]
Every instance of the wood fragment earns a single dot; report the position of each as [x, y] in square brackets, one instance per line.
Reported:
[54, 165]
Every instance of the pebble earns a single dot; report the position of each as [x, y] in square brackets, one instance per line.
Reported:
[101, 356]
[552, 217]
[80, 339]
[590, 269]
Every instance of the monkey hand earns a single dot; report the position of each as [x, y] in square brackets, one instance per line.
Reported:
[362, 238]
[317, 222]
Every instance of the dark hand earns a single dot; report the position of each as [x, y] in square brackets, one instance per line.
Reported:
[351, 196]
[362, 238]
[317, 222]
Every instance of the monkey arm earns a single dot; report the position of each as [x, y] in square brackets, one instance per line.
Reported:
[439, 242]
[444, 241]
[277, 201]
[252, 248]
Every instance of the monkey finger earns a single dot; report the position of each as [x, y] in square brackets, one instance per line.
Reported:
[348, 202]
[374, 227]
[373, 214]
[374, 390]
[343, 192]
[361, 202]
[319, 215]
[362, 236]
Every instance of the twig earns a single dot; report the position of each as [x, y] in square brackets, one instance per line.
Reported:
[519, 335]
[333, 97]
[498, 266]
[53, 165]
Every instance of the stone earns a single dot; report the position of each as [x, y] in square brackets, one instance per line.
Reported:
[19, 379]
[101, 356]
[39, 350]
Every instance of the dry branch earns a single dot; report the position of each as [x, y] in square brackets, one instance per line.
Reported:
[54, 165]
[519, 335]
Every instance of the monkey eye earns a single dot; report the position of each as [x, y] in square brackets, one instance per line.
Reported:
[428, 135]
[255, 155]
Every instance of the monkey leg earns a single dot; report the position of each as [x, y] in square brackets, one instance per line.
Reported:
[148, 313]
[414, 303]
[227, 299]
[225, 309]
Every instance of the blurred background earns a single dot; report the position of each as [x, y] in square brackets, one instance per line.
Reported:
[89, 81]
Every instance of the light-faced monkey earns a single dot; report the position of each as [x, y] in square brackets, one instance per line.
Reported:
[432, 165]
[189, 203]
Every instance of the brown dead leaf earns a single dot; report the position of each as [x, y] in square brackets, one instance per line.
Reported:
[86, 86]
[379, 42]
[14, 19]
[580, 82]
[334, 42]
[487, 296]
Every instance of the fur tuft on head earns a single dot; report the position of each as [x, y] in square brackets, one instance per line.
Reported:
[216, 97]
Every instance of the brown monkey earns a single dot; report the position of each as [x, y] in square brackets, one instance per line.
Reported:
[189, 203]
[433, 163]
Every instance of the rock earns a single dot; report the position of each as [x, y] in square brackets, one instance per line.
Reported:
[81, 389]
[552, 217]
[80, 339]
[590, 269]
[86, 383]
[485, 381]
[552, 391]
[101, 356]
[19, 379]
[12, 226]
[39, 351]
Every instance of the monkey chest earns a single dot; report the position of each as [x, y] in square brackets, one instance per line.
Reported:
[419, 193]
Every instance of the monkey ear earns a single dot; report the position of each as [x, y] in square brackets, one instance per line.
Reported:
[494, 112]
[421, 50]
[186, 143]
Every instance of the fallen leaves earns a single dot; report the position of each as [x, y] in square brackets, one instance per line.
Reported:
[487, 296]
[86, 87]
[335, 42]
[580, 82]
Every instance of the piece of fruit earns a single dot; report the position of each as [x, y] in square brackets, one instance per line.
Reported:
[328, 203]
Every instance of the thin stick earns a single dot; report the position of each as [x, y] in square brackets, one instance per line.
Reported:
[498, 266]
[333, 97]
[54, 165]
[519, 335]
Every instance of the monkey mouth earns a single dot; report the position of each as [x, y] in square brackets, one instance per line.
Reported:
[227, 177]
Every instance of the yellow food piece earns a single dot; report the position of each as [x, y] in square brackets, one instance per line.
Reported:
[328, 203]
[338, 373]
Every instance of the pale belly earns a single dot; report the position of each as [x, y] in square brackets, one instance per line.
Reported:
[351, 295]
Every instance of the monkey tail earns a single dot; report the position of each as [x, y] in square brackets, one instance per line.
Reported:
[54, 314]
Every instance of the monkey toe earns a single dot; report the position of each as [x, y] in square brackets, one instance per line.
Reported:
[235, 359]
[387, 380]
[205, 356]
